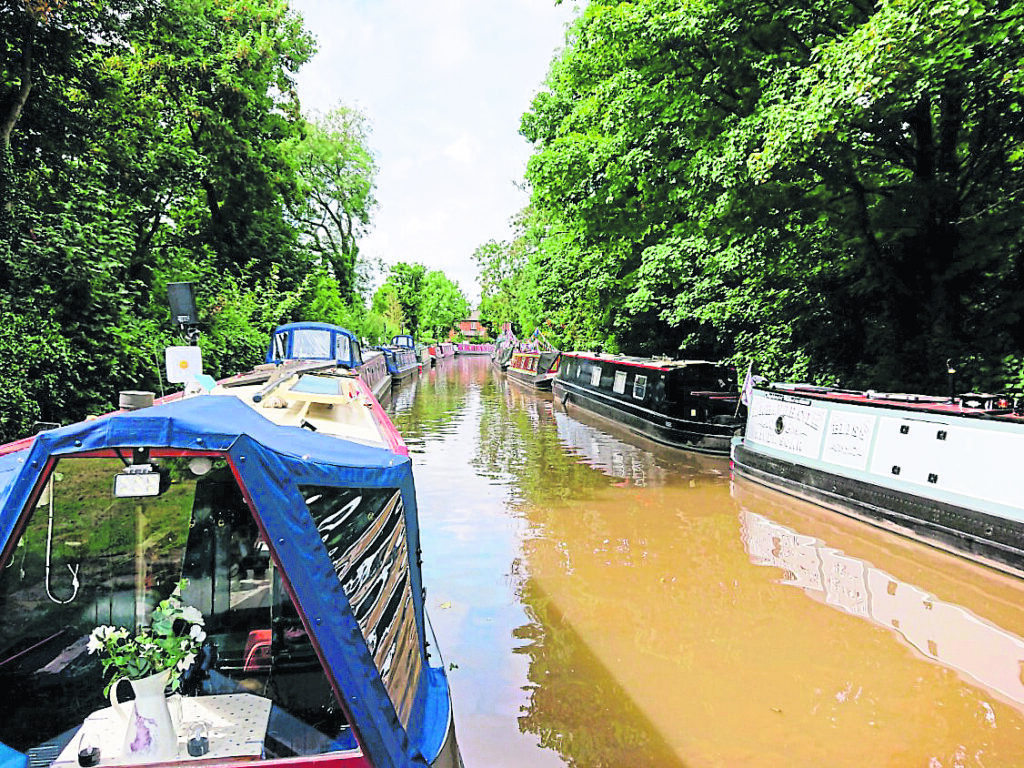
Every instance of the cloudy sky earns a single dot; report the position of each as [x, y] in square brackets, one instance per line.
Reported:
[443, 83]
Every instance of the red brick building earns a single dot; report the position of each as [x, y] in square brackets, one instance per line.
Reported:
[471, 327]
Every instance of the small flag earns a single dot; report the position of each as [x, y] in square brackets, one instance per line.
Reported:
[748, 385]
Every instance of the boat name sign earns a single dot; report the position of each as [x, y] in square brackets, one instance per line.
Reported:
[787, 424]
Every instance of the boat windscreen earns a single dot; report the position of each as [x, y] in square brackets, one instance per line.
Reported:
[312, 344]
[86, 560]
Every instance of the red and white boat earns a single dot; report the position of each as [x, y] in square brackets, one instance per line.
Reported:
[278, 505]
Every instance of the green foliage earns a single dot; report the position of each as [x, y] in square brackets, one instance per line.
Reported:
[153, 141]
[422, 302]
[39, 372]
[388, 308]
[406, 280]
[442, 305]
[830, 190]
[336, 177]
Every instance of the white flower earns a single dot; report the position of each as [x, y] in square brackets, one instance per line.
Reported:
[197, 633]
[95, 643]
[192, 615]
[186, 662]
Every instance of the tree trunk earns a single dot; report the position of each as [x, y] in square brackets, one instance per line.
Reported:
[21, 97]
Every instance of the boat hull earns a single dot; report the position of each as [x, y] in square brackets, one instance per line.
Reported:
[374, 373]
[541, 382]
[533, 368]
[944, 478]
[401, 362]
[697, 436]
[684, 404]
[986, 538]
[465, 348]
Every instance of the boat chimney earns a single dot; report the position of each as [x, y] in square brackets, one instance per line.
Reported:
[950, 374]
[133, 400]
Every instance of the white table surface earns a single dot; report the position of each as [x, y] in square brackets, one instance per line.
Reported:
[236, 726]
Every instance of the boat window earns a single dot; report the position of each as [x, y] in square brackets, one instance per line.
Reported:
[619, 385]
[579, 371]
[364, 532]
[311, 344]
[280, 345]
[341, 347]
[640, 387]
[357, 355]
[595, 376]
[86, 560]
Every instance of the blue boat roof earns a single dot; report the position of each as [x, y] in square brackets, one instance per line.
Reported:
[308, 340]
[315, 325]
[273, 462]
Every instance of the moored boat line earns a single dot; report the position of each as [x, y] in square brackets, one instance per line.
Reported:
[943, 470]
[465, 348]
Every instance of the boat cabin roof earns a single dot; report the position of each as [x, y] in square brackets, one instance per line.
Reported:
[314, 341]
[653, 363]
[403, 340]
[968, 404]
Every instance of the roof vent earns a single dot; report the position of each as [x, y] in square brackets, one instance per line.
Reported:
[133, 400]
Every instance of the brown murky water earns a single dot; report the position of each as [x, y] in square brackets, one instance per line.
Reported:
[604, 602]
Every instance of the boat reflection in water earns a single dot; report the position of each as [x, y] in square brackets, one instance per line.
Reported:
[942, 631]
[615, 451]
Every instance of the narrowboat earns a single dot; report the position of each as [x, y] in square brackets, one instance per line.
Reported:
[943, 470]
[401, 358]
[275, 513]
[465, 348]
[331, 344]
[535, 368]
[502, 354]
[445, 349]
[686, 404]
[422, 350]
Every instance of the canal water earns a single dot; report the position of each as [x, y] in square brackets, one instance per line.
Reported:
[600, 601]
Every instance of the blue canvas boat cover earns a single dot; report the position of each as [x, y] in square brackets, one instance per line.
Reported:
[314, 341]
[272, 462]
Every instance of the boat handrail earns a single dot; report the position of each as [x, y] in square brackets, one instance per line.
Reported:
[271, 385]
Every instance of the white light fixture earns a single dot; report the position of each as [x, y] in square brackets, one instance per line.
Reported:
[137, 481]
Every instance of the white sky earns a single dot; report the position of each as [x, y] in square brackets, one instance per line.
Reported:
[443, 84]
